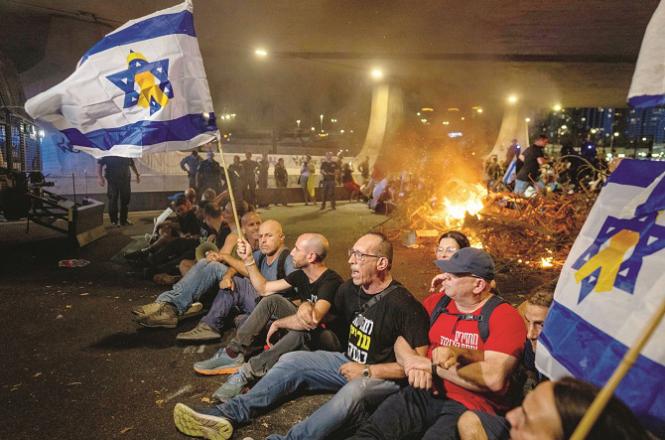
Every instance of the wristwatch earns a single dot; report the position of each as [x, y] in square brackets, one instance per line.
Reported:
[367, 372]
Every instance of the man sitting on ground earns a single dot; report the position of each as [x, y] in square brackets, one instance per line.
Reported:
[475, 339]
[182, 300]
[378, 310]
[534, 311]
[315, 286]
[165, 254]
[273, 262]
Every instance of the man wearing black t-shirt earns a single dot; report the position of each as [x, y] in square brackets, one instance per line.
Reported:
[329, 169]
[533, 157]
[116, 171]
[313, 284]
[378, 310]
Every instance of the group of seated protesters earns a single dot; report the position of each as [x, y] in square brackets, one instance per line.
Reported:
[450, 367]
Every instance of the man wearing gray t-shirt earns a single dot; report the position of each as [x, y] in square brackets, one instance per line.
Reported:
[274, 263]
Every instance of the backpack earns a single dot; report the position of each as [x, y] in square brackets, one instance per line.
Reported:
[483, 319]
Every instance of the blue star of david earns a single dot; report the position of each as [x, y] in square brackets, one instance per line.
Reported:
[124, 80]
[652, 240]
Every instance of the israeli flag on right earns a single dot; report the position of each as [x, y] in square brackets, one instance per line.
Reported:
[611, 284]
[648, 86]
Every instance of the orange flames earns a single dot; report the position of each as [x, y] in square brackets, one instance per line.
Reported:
[465, 199]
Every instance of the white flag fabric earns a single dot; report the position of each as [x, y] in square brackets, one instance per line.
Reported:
[611, 284]
[648, 86]
[141, 89]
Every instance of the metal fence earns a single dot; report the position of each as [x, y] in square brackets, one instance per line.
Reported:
[20, 143]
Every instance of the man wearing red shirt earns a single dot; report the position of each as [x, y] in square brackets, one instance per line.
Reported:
[469, 361]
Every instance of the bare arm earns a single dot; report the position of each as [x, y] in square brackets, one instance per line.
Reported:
[132, 165]
[388, 370]
[489, 374]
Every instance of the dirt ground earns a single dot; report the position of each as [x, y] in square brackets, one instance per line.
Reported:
[75, 366]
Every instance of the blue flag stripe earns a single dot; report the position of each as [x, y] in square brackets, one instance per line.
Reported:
[143, 132]
[158, 26]
[640, 173]
[645, 101]
[591, 354]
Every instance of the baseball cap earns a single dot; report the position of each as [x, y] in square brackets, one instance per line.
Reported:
[469, 260]
[178, 198]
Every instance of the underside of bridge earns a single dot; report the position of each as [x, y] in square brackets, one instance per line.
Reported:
[434, 53]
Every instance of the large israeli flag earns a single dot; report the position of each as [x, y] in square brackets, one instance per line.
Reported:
[610, 285]
[648, 86]
[141, 89]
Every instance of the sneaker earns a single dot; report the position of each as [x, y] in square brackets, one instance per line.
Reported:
[231, 388]
[220, 363]
[166, 317]
[147, 309]
[202, 332]
[164, 279]
[205, 422]
[195, 309]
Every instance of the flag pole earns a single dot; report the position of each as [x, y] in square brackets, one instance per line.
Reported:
[229, 188]
[622, 369]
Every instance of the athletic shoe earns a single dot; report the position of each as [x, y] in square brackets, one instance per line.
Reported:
[193, 310]
[220, 363]
[202, 332]
[147, 309]
[166, 317]
[231, 388]
[205, 422]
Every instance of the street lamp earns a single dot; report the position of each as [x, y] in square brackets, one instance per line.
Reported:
[260, 52]
[376, 74]
[298, 123]
[512, 99]
[321, 118]
[557, 107]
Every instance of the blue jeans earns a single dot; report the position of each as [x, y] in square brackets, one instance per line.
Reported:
[520, 186]
[314, 371]
[243, 296]
[195, 283]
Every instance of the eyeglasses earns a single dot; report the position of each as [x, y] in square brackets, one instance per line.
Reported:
[448, 250]
[359, 256]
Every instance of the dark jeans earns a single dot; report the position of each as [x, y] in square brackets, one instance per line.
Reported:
[412, 414]
[191, 178]
[118, 191]
[328, 192]
[249, 192]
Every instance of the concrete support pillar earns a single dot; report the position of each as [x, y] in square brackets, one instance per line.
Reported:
[386, 116]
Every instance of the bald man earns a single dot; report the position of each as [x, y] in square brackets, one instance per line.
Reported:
[274, 262]
[315, 286]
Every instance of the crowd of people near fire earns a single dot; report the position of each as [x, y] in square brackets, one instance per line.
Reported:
[459, 364]
[528, 171]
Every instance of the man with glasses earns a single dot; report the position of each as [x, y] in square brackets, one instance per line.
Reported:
[476, 341]
[314, 286]
[377, 310]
